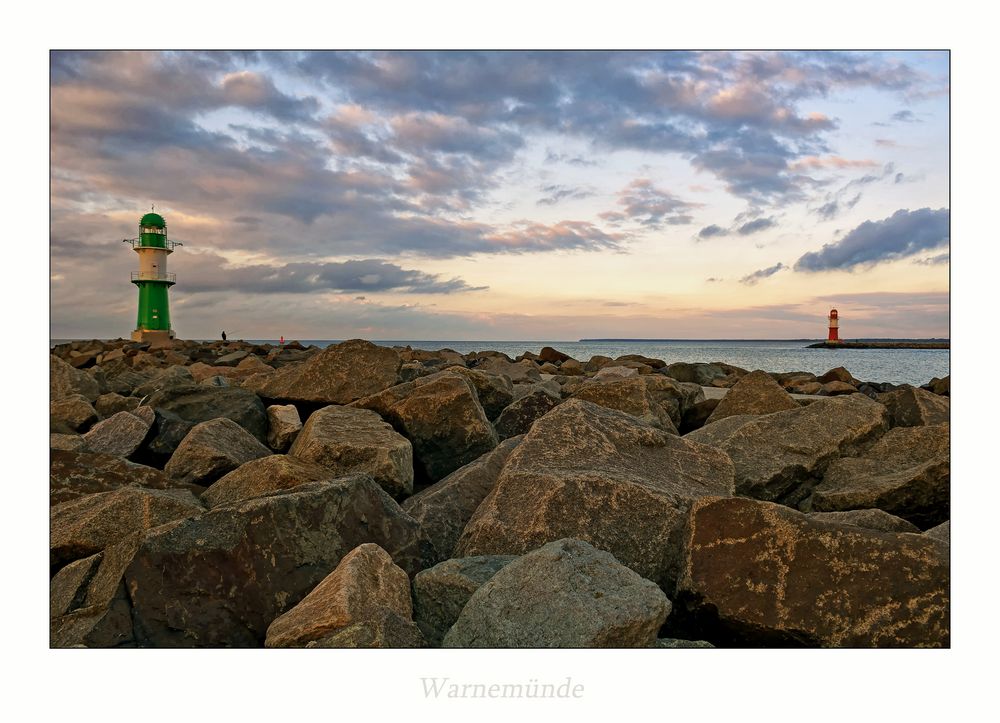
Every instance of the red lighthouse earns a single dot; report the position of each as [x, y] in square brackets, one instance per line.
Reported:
[834, 335]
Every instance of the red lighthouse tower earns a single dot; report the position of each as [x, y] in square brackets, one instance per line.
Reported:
[834, 336]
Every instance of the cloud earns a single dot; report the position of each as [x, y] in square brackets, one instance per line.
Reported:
[934, 260]
[206, 272]
[902, 234]
[257, 92]
[902, 116]
[711, 231]
[552, 157]
[835, 162]
[650, 206]
[554, 193]
[757, 225]
[565, 236]
[886, 143]
[905, 116]
[847, 196]
[751, 279]
[832, 209]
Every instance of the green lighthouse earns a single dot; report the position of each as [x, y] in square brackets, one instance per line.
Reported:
[153, 280]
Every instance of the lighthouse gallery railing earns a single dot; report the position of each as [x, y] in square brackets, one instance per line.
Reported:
[137, 243]
[147, 276]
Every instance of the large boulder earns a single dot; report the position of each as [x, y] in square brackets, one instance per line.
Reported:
[283, 426]
[365, 585]
[232, 358]
[548, 354]
[201, 372]
[441, 592]
[566, 594]
[941, 532]
[518, 416]
[444, 508]
[776, 454]
[835, 388]
[123, 379]
[165, 380]
[790, 380]
[253, 365]
[338, 374]
[755, 393]
[522, 371]
[612, 373]
[120, 434]
[221, 578]
[804, 387]
[88, 603]
[347, 440]
[198, 403]
[211, 449]
[71, 414]
[494, 391]
[837, 374]
[940, 386]
[645, 360]
[441, 416]
[384, 629]
[759, 573]
[165, 436]
[912, 407]
[631, 396]
[263, 476]
[698, 373]
[65, 381]
[112, 403]
[597, 362]
[549, 385]
[675, 397]
[74, 474]
[906, 473]
[66, 442]
[81, 527]
[602, 476]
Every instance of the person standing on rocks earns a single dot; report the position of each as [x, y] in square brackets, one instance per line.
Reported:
[223, 335]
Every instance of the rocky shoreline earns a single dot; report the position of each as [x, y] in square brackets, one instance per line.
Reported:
[243, 495]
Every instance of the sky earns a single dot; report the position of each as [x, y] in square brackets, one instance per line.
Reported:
[505, 195]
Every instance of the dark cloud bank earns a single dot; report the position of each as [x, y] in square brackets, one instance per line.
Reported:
[903, 234]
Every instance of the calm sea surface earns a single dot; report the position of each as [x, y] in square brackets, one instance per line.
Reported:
[898, 366]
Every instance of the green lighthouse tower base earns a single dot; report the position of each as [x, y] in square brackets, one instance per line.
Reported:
[153, 281]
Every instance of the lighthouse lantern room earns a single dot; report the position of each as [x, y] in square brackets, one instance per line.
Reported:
[834, 336]
[153, 280]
